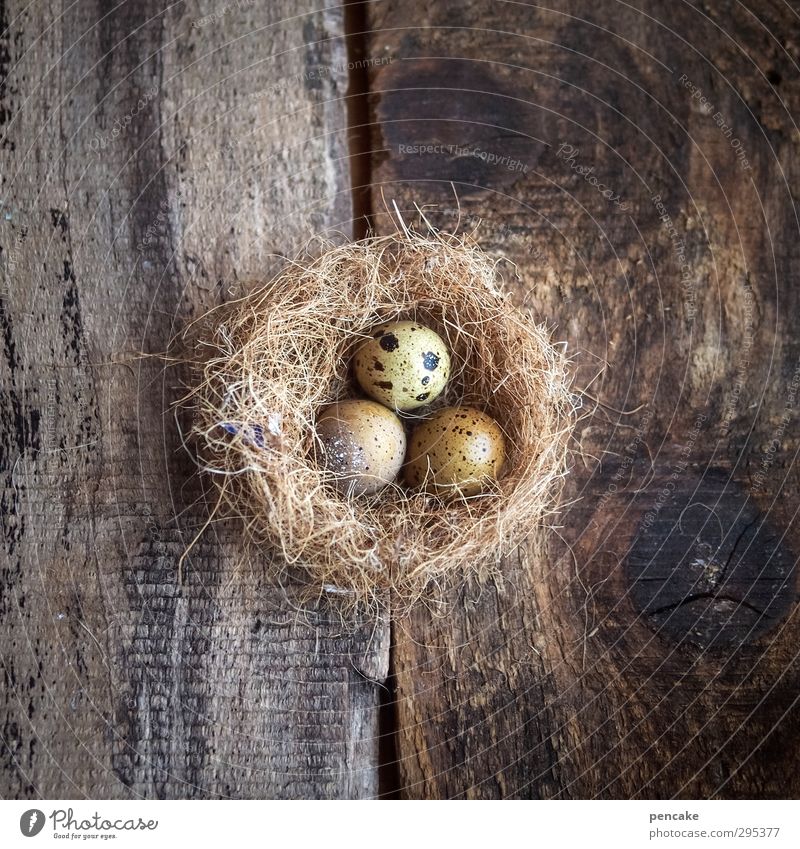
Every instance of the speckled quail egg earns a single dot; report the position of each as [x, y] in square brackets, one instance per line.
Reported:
[362, 443]
[403, 365]
[456, 450]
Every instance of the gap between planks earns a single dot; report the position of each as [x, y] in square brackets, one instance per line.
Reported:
[360, 156]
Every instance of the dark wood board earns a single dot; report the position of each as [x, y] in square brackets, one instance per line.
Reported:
[154, 159]
[639, 163]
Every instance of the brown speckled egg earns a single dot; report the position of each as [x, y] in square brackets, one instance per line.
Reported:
[362, 444]
[404, 365]
[456, 450]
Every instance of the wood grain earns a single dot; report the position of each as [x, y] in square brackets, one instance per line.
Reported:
[652, 650]
[154, 162]
[155, 158]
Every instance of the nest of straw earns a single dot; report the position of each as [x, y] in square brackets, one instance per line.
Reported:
[270, 361]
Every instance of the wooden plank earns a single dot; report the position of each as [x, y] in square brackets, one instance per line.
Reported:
[652, 650]
[154, 158]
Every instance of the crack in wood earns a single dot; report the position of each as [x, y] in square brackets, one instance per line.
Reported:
[360, 159]
[358, 120]
[706, 595]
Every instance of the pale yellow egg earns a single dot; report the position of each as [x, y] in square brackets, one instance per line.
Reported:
[404, 365]
[362, 444]
[458, 450]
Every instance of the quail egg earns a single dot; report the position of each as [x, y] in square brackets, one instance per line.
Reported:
[362, 444]
[456, 450]
[404, 365]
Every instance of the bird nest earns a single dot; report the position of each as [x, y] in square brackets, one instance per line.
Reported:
[267, 364]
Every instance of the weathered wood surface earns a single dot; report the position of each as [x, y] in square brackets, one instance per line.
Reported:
[154, 156]
[653, 651]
